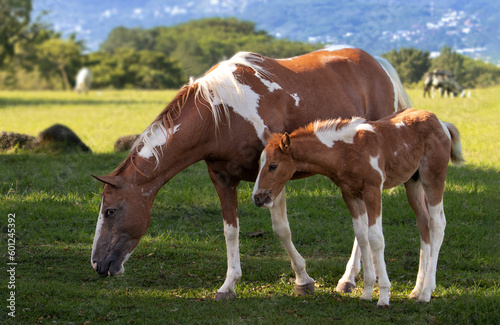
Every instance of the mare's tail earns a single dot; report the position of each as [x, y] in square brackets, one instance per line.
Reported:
[403, 98]
[456, 145]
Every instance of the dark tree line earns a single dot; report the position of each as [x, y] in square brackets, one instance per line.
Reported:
[32, 54]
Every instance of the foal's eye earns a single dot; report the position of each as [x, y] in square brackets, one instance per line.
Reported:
[273, 167]
[109, 212]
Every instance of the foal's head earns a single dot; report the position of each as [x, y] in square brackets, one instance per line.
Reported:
[276, 168]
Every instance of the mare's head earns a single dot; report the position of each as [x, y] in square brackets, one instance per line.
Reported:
[124, 217]
[276, 168]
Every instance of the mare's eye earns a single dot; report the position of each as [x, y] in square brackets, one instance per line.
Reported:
[109, 212]
[272, 167]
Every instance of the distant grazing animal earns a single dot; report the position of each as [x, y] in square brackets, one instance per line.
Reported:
[83, 79]
[221, 118]
[444, 81]
[362, 158]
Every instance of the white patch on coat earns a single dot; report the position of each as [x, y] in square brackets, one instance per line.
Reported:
[263, 158]
[271, 85]
[100, 221]
[400, 124]
[328, 134]
[375, 165]
[295, 96]
[221, 90]
[155, 136]
[337, 47]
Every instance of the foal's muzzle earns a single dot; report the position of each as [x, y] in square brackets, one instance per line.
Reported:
[262, 199]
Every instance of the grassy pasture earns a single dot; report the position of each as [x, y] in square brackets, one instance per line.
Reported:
[180, 263]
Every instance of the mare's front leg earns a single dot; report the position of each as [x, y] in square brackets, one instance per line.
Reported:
[226, 188]
[304, 284]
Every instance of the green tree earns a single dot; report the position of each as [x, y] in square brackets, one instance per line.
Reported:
[200, 44]
[14, 20]
[128, 68]
[411, 64]
[61, 55]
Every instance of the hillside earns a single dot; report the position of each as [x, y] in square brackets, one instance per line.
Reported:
[469, 27]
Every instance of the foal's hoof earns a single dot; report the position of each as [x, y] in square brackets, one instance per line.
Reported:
[305, 289]
[221, 296]
[345, 287]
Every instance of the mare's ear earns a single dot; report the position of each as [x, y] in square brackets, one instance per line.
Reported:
[114, 181]
[285, 142]
[267, 134]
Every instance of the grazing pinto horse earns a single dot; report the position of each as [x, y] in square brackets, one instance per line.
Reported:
[363, 158]
[221, 118]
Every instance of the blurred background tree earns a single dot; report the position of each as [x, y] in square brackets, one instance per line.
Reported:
[14, 21]
[34, 56]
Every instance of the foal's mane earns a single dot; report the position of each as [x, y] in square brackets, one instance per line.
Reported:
[331, 125]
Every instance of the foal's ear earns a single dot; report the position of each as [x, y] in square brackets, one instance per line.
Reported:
[114, 181]
[285, 142]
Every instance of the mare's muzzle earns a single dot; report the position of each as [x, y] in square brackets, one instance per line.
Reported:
[108, 267]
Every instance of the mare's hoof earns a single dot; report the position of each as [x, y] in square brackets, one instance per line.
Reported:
[345, 287]
[221, 296]
[305, 289]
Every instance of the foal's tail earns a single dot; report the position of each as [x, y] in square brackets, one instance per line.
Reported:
[404, 100]
[456, 145]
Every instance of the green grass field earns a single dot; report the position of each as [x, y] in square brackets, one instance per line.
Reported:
[180, 263]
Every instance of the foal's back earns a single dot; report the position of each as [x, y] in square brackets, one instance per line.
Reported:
[408, 141]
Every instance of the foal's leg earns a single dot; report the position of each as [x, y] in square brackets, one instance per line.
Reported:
[347, 282]
[437, 225]
[372, 196]
[416, 198]
[360, 223]
[433, 176]
[226, 190]
[304, 284]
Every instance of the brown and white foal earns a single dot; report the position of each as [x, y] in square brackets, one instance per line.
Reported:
[362, 158]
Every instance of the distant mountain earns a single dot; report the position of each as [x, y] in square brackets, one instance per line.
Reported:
[469, 27]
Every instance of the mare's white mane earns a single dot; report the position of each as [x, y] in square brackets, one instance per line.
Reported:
[220, 89]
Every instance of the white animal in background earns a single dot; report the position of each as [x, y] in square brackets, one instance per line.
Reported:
[83, 79]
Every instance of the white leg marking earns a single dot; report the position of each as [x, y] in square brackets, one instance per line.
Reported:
[281, 228]
[361, 231]
[233, 274]
[377, 246]
[100, 221]
[425, 253]
[352, 268]
[437, 226]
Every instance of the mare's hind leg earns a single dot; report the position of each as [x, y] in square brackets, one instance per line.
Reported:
[416, 198]
[304, 284]
[347, 283]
